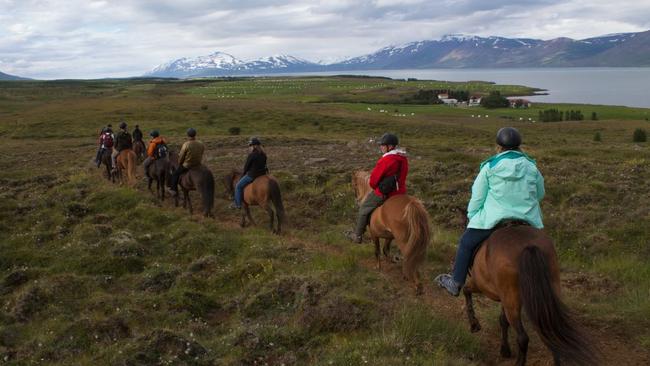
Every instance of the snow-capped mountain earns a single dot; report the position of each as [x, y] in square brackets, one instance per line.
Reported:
[219, 64]
[450, 51]
[184, 67]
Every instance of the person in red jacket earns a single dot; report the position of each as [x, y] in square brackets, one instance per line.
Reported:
[387, 179]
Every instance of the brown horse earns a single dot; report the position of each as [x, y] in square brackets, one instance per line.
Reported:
[517, 265]
[139, 149]
[404, 219]
[160, 171]
[263, 191]
[196, 179]
[126, 161]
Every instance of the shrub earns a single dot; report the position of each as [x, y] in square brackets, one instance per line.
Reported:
[494, 100]
[234, 130]
[594, 116]
[639, 135]
[204, 107]
[597, 137]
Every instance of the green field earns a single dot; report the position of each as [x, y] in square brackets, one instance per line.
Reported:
[96, 273]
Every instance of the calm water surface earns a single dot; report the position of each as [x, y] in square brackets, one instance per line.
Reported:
[589, 85]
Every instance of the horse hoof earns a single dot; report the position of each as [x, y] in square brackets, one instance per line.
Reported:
[418, 290]
[475, 327]
[505, 352]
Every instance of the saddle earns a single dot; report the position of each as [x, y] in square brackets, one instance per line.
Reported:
[501, 225]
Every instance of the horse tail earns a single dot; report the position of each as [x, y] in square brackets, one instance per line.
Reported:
[547, 312]
[207, 191]
[418, 234]
[130, 169]
[276, 197]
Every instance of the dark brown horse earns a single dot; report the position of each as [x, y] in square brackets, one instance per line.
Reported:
[263, 191]
[126, 162]
[196, 179]
[517, 266]
[404, 219]
[139, 149]
[106, 160]
[160, 171]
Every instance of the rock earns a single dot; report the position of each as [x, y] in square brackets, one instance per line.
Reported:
[311, 161]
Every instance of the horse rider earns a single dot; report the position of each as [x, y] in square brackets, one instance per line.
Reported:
[388, 178]
[123, 141]
[190, 156]
[156, 140]
[254, 167]
[508, 187]
[105, 141]
[137, 135]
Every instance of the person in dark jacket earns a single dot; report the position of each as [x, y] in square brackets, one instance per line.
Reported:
[123, 141]
[393, 164]
[254, 167]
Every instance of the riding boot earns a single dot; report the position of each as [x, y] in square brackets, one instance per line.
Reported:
[447, 282]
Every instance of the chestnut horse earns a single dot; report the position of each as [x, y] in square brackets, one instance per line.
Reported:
[263, 191]
[403, 218]
[196, 179]
[518, 266]
[126, 161]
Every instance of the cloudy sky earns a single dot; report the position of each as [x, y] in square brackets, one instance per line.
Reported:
[51, 39]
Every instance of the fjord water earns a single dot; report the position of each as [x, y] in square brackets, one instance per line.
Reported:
[626, 86]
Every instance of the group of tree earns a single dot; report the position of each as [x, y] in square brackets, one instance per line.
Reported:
[423, 97]
[555, 115]
[495, 100]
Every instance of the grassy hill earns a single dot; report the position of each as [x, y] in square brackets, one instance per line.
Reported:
[95, 273]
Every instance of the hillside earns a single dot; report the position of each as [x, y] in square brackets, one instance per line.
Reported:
[4, 76]
[96, 273]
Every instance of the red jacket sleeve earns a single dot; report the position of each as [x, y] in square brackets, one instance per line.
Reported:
[378, 172]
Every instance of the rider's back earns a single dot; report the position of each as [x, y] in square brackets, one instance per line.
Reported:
[509, 186]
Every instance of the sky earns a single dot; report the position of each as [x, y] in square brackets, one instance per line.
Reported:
[54, 39]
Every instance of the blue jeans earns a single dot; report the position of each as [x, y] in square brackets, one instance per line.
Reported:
[239, 189]
[470, 240]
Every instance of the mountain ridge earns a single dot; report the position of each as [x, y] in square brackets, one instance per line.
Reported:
[450, 51]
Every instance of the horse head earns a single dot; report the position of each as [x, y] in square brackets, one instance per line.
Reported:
[360, 184]
[230, 180]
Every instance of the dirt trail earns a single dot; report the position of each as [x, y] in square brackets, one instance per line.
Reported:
[616, 350]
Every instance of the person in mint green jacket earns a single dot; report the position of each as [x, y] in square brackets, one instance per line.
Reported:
[508, 187]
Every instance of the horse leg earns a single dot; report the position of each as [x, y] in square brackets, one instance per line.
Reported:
[188, 201]
[269, 210]
[248, 213]
[161, 186]
[512, 310]
[475, 326]
[377, 252]
[411, 274]
[505, 347]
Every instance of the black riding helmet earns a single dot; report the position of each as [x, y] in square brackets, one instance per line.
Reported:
[191, 132]
[254, 141]
[123, 125]
[388, 139]
[508, 138]
[154, 133]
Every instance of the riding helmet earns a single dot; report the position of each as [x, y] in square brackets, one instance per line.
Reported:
[254, 141]
[191, 132]
[509, 138]
[389, 139]
[154, 133]
[123, 125]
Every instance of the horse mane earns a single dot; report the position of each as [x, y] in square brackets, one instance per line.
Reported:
[360, 184]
